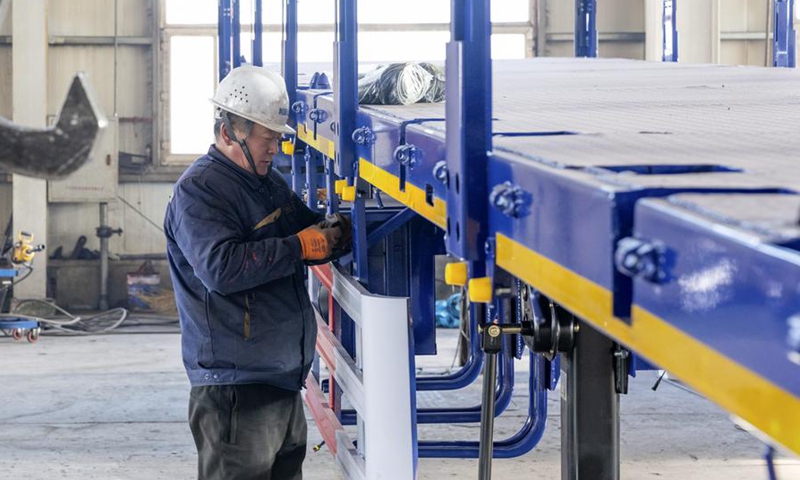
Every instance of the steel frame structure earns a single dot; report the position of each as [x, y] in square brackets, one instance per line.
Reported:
[494, 192]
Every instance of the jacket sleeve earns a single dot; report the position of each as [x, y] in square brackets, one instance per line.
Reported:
[306, 216]
[213, 240]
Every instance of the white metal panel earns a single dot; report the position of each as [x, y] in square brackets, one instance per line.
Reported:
[135, 17]
[387, 362]
[96, 180]
[6, 194]
[619, 15]
[30, 108]
[654, 30]
[698, 30]
[6, 81]
[134, 82]
[142, 218]
[5, 17]
[81, 17]
[97, 62]
[631, 50]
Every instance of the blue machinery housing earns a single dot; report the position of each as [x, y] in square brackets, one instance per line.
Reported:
[654, 203]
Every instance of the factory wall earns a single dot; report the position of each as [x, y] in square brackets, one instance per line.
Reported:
[710, 31]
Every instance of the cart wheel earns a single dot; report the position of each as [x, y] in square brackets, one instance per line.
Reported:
[33, 335]
[17, 333]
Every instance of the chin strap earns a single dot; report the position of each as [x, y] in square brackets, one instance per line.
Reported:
[243, 146]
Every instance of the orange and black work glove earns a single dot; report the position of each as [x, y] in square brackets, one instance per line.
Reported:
[344, 224]
[317, 243]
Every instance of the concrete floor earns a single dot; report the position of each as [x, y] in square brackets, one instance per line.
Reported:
[114, 407]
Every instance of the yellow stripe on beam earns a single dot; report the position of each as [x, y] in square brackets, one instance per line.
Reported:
[413, 197]
[321, 144]
[737, 389]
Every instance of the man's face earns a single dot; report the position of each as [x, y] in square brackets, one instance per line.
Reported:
[263, 145]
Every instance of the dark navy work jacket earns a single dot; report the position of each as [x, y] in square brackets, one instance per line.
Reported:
[238, 275]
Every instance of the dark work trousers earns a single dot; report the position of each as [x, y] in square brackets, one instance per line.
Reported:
[248, 432]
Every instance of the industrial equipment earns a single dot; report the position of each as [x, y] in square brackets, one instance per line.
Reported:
[607, 212]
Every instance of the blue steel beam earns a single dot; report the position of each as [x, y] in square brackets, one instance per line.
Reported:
[469, 128]
[346, 86]
[224, 37]
[670, 31]
[289, 63]
[236, 32]
[785, 37]
[258, 34]
[586, 28]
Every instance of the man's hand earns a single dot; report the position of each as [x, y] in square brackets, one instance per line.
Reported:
[317, 243]
[345, 227]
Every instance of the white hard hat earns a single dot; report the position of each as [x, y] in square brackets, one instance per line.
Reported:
[256, 94]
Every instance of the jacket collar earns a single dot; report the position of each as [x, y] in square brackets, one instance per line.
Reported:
[249, 178]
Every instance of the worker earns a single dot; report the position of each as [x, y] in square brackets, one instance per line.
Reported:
[237, 240]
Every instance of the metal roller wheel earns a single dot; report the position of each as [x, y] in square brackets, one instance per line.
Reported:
[33, 335]
[17, 333]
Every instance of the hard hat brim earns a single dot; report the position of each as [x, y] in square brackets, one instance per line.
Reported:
[284, 129]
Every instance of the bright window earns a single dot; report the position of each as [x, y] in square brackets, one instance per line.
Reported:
[191, 70]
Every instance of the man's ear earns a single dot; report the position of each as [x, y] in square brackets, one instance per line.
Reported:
[223, 133]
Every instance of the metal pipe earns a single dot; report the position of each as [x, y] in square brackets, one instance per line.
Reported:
[487, 417]
[237, 34]
[258, 35]
[103, 303]
[224, 35]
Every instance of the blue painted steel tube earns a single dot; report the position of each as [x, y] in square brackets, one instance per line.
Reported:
[224, 37]
[346, 87]
[468, 120]
[784, 51]
[298, 176]
[670, 31]
[520, 443]
[464, 376]
[390, 225]
[236, 32]
[258, 35]
[312, 161]
[503, 395]
[289, 63]
[586, 43]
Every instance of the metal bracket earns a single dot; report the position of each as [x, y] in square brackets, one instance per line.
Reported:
[637, 258]
[317, 115]
[509, 199]
[363, 136]
[407, 155]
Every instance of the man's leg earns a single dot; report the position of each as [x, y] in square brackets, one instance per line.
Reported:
[289, 461]
[242, 432]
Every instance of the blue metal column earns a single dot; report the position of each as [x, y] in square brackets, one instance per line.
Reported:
[785, 39]
[258, 35]
[586, 28]
[237, 34]
[469, 127]
[224, 37]
[345, 87]
[290, 49]
[670, 31]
